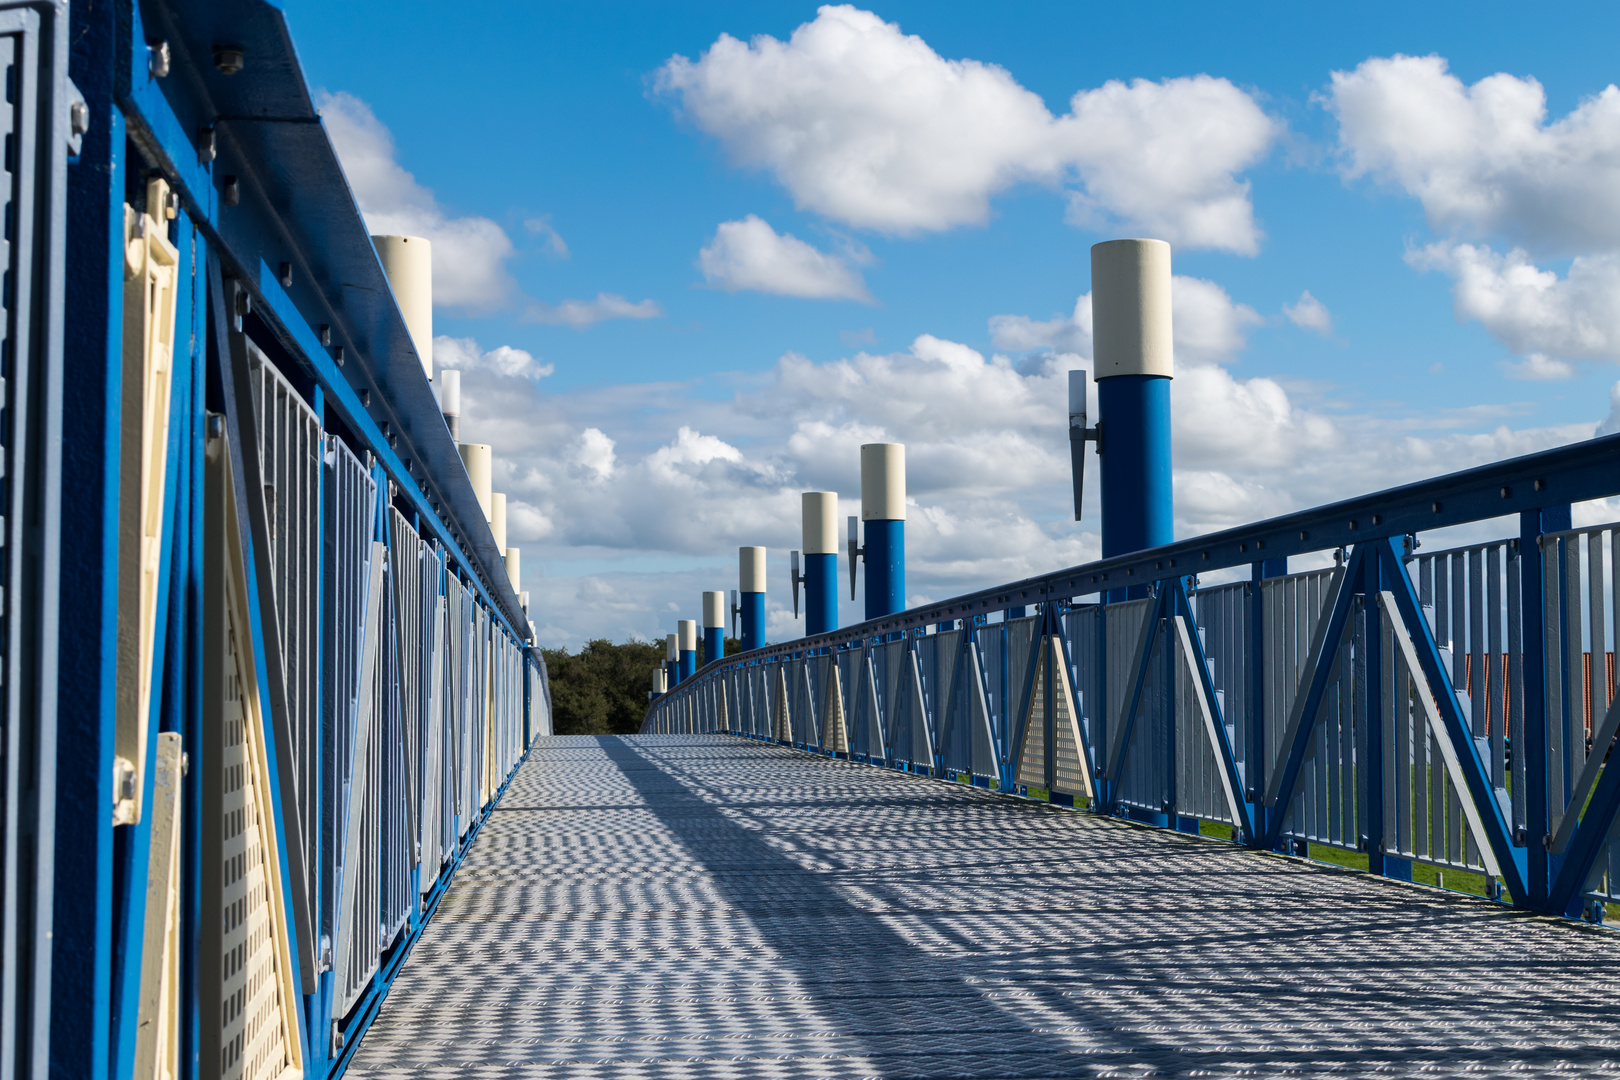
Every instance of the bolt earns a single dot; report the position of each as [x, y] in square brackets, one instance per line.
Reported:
[79, 117]
[228, 59]
[157, 60]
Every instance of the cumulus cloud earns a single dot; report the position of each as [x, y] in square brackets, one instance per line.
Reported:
[1531, 310]
[1484, 159]
[635, 497]
[1020, 333]
[464, 353]
[1309, 313]
[871, 127]
[1207, 324]
[1539, 368]
[583, 314]
[469, 253]
[749, 254]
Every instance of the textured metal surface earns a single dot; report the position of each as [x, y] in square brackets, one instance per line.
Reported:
[701, 906]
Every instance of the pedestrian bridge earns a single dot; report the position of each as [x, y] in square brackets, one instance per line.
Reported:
[709, 906]
[279, 790]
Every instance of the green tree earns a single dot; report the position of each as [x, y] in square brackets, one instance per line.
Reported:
[602, 689]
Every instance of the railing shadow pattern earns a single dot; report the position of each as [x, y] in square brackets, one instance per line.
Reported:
[674, 906]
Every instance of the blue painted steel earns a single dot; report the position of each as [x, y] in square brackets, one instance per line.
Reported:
[1366, 634]
[687, 666]
[753, 620]
[1281, 791]
[1498, 831]
[714, 643]
[1137, 500]
[885, 568]
[1543, 866]
[821, 593]
[1228, 760]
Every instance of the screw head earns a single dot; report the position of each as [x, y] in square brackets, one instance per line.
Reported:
[157, 60]
[79, 117]
[228, 59]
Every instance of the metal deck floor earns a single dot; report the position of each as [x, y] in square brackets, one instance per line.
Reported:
[702, 906]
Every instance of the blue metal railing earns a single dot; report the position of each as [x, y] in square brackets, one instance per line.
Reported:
[1265, 704]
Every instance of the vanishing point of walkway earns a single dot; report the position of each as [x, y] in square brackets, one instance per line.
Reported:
[702, 906]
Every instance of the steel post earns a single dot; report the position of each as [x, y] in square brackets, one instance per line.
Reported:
[1130, 300]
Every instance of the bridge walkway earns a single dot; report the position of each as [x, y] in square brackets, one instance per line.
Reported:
[701, 906]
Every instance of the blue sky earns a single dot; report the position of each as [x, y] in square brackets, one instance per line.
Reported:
[565, 160]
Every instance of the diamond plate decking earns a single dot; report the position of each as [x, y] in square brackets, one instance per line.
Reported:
[701, 906]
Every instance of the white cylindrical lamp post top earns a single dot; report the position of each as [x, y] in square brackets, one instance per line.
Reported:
[883, 482]
[820, 522]
[478, 459]
[408, 262]
[514, 566]
[448, 385]
[751, 569]
[1130, 308]
[714, 610]
[686, 630]
[497, 518]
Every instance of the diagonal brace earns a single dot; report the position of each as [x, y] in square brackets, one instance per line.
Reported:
[1139, 664]
[1192, 652]
[1308, 701]
[1487, 810]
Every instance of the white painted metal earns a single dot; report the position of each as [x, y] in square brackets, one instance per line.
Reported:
[408, 262]
[820, 522]
[883, 482]
[751, 569]
[1130, 308]
[478, 460]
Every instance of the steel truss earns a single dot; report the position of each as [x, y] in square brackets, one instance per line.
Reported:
[1452, 709]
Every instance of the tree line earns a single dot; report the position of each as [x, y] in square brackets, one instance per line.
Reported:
[602, 688]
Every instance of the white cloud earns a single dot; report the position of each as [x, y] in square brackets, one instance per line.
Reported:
[464, 353]
[873, 128]
[1207, 325]
[1611, 423]
[583, 314]
[749, 254]
[1160, 158]
[1531, 310]
[595, 454]
[556, 246]
[1020, 333]
[1483, 159]
[1539, 368]
[1309, 313]
[635, 497]
[469, 253]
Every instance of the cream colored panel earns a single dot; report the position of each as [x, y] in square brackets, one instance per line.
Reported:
[1031, 756]
[783, 732]
[258, 1036]
[836, 734]
[151, 268]
[1071, 773]
[157, 1033]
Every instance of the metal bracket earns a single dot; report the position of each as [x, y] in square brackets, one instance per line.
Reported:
[856, 551]
[793, 570]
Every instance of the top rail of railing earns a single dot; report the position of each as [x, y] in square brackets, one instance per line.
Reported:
[1567, 474]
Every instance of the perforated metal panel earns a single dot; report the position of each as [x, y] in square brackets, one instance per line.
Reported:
[248, 1025]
